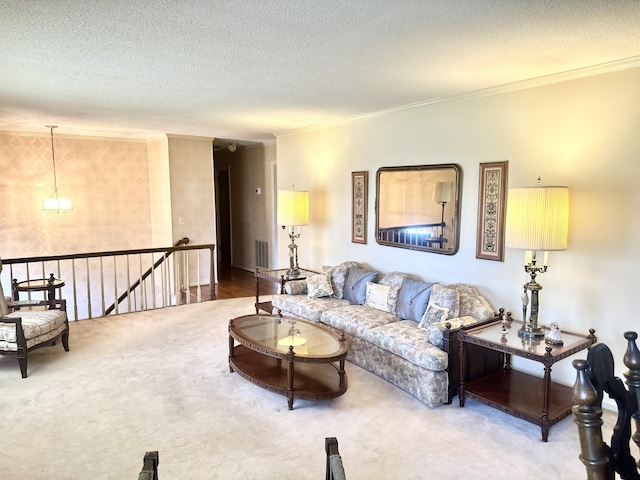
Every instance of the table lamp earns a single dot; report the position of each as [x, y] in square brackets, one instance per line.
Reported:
[537, 222]
[293, 211]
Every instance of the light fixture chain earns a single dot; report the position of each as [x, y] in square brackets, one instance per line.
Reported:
[53, 157]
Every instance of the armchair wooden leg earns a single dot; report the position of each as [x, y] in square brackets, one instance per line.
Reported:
[65, 339]
[22, 360]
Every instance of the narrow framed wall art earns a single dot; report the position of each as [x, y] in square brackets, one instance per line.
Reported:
[359, 189]
[492, 194]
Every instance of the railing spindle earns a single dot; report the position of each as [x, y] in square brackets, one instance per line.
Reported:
[187, 283]
[75, 291]
[198, 289]
[115, 283]
[128, 286]
[89, 313]
[153, 282]
[102, 286]
[28, 279]
[143, 303]
[164, 284]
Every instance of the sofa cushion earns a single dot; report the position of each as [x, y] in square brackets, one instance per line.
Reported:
[319, 285]
[393, 279]
[445, 297]
[465, 288]
[355, 288]
[407, 340]
[304, 307]
[381, 297]
[413, 298]
[476, 307]
[356, 319]
[35, 323]
[339, 276]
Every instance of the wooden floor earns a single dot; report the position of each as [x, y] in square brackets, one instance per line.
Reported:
[236, 283]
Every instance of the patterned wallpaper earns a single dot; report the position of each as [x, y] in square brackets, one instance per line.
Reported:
[160, 194]
[107, 180]
[192, 196]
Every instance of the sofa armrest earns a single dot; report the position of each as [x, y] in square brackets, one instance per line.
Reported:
[436, 330]
[451, 345]
[20, 338]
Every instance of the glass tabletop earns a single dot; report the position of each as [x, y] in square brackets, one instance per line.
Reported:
[277, 334]
[283, 272]
[40, 284]
[493, 334]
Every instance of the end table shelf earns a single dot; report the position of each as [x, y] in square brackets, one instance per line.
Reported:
[535, 399]
[520, 394]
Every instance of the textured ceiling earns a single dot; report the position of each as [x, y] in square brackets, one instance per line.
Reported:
[246, 69]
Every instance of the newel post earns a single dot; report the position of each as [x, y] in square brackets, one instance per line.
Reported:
[632, 362]
[588, 416]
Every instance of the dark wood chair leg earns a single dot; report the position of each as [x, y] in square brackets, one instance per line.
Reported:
[65, 339]
[22, 360]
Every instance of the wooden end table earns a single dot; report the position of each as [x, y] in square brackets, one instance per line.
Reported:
[534, 399]
[288, 356]
[48, 285]
[277, 276]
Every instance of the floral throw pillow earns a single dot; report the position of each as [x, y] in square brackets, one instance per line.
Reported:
[381, 297]
[319, 285]
[434, 314]
[338, 276]
[445, 297]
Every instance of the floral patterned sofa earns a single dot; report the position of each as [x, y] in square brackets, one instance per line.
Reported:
[401, 329]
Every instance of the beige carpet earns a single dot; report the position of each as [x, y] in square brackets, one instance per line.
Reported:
[160, 380]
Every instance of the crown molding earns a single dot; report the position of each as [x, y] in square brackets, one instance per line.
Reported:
[577, 73]
[76, 136]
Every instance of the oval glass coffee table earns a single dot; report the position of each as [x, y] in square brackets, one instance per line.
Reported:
[288, 356]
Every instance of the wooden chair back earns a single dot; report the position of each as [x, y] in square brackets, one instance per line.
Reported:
[335, 470]
[595, 376]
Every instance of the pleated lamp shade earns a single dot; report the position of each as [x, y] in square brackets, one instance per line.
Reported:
[293, 207]
[537, 218]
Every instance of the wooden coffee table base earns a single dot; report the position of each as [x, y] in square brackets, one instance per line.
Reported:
[308, 381]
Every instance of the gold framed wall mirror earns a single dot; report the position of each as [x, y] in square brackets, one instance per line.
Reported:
[417, 207]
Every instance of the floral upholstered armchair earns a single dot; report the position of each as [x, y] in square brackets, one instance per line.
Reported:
[25, 326]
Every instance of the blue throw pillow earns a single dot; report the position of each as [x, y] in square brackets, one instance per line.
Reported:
[355, 287]
[413, 299]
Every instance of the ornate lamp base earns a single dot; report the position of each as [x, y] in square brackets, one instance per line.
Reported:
[530, 332]
[293, 271]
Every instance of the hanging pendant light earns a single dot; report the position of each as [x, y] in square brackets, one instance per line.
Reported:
[56, 203]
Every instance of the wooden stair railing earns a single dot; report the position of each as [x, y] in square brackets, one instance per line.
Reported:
[81, 281]
[145, 275]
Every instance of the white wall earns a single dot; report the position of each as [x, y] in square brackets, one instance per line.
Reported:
[582, 133]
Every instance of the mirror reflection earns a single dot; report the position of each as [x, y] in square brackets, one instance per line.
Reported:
[417, 207]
